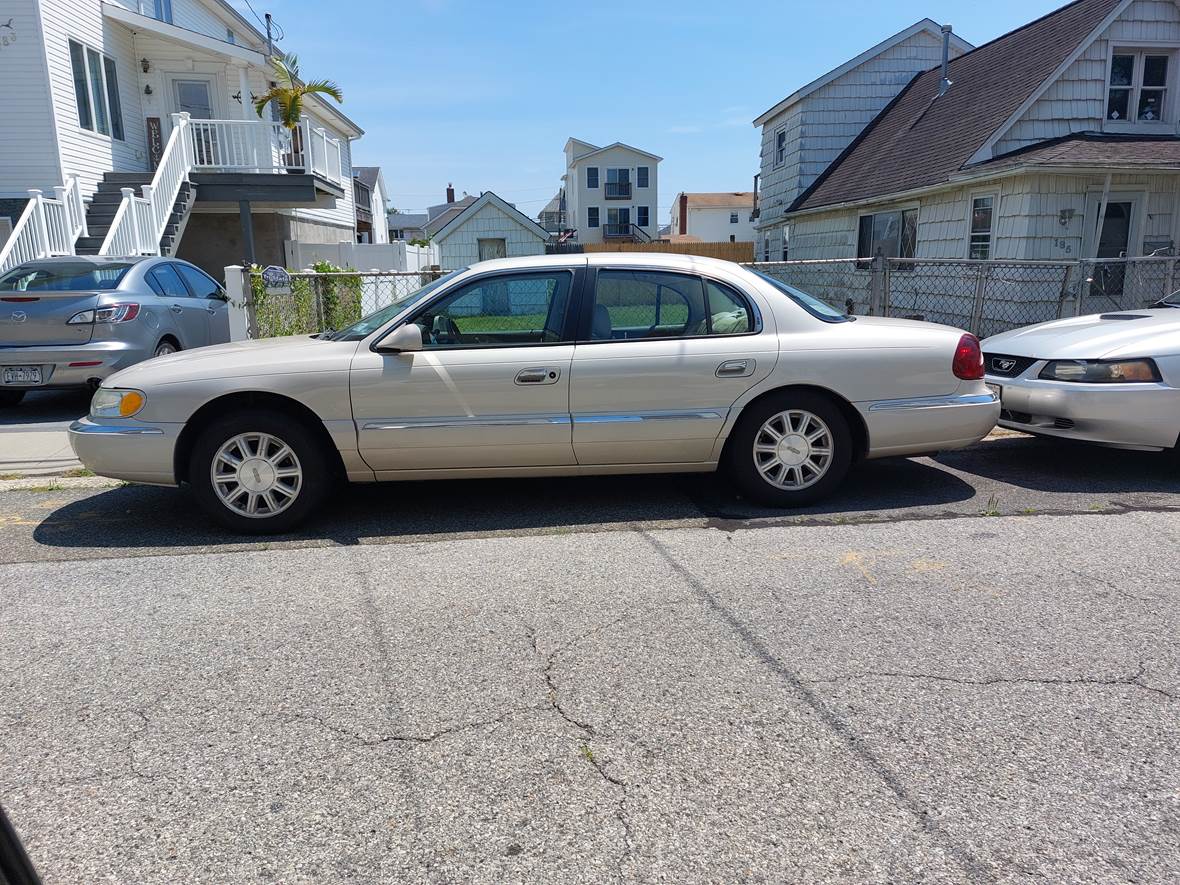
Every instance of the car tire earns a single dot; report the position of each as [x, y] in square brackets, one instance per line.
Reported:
[10, 398]
[281, 489]
[808, 460]
[166, 347]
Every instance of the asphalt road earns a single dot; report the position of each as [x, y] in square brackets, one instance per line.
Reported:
[961, 669]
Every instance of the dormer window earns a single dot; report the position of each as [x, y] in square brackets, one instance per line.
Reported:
[1138, 88]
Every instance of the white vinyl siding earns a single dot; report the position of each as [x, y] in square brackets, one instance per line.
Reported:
[30, 156]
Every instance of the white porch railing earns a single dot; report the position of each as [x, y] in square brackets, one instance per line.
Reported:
[47, 226]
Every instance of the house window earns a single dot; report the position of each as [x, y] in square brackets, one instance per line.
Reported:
[96, 89]
[591, 177]
[780, 147]
[733, 218]
[641, 176]
[592, 216]
[891, 234]
[163, 10]
[1138, 86]
[229, 37]
[641, 216]
[979, 245]
[766, 247]
[785, 238]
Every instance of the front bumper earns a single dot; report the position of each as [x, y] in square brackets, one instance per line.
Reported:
[920, 425]
[97, 360]
[124, 448]
[1139, 416]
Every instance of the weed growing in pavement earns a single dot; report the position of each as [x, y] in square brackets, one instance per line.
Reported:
[993, 506]
[81, 471]
[588, 753]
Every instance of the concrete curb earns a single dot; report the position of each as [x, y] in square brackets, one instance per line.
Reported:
[46, 482]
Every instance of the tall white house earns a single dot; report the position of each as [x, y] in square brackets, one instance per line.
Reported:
[807, 130]
[134, 122]
[611, 193]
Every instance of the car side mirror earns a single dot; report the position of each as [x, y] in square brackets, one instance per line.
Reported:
[405, 338]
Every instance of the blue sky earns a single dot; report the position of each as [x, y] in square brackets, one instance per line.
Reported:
[485, 96]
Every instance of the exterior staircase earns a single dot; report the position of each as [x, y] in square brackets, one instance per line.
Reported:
[105, 203]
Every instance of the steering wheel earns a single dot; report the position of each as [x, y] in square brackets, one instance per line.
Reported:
[444, 331]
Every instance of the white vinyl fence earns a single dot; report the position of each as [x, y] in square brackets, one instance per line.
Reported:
[398, 256]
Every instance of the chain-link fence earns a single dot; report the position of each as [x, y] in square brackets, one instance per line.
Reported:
[315, 302]
[985, 297]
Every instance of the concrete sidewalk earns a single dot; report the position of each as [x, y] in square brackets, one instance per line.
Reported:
[35, 452]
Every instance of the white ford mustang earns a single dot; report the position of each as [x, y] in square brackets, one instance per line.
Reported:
[1111, 378]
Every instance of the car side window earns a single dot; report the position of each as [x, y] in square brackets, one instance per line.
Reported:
[728, 312]
[201, 284]
[504, 310]
[167, 281]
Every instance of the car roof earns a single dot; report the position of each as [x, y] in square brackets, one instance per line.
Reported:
[96, 260]
[664, 260]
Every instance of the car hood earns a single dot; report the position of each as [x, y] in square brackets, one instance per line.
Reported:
[266, 356]
[1154, 333]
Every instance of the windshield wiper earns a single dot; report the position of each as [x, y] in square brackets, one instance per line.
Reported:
[327, 335]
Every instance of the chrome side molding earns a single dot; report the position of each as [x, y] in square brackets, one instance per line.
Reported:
[934, 402]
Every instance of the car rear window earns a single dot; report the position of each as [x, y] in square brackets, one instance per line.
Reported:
[62, 277]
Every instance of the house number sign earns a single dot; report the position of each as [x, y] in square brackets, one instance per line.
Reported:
[7, 33]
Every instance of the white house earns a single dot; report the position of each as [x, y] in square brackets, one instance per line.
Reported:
[154, 96]
[713, 217]
[611, 193]
[807, 130]
[371, 198]
[488, 228]
[407, 225]
[1055, 141]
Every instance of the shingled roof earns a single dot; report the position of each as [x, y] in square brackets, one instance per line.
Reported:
[921, 139]
[1095, 150]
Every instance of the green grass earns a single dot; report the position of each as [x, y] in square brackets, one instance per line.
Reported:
[81, 471]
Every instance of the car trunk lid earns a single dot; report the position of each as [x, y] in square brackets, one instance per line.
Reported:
[41, 319]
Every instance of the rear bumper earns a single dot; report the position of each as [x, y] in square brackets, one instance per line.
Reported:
[99, 359]
[929, 424]
[124, 448]
[1140, 416]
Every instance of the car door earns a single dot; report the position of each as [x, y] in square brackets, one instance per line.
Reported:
[187, 317]
[489, 389]
[209, 296]
[660, 359]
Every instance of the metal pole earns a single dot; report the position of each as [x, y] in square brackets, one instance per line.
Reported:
[247, 231]
[270, 44]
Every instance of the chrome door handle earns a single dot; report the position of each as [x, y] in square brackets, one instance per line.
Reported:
[176, 308]
[736, 368]
[538, 375]
[211, 310]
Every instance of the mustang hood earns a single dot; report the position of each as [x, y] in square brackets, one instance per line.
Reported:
[239, 359]
[1099, 336]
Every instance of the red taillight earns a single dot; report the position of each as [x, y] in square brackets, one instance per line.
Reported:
[968, 362]
[117, 313]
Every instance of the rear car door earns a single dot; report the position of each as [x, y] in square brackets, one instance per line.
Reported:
[660, 359]
[207, 293]
[188, 315]
[490, 388]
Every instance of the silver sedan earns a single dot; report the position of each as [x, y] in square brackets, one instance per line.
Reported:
[546, 366]
[73, 321]
[1110, 378]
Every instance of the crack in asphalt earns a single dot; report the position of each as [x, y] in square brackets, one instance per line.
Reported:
[377, 740]
[974, 869]
[1134, 680]
[588, 732]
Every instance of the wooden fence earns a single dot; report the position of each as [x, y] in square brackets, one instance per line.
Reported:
[726, 251]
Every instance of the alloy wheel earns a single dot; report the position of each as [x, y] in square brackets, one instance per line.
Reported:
[793, 449]
[165, 348]
[256, 475]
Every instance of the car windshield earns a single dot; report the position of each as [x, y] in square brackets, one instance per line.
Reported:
[819, 309]
[63, 276]
[374, 321]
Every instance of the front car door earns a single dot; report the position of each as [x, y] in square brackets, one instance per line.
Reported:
[210, 297]
[489, 389]
[187, 318]
[660, 359]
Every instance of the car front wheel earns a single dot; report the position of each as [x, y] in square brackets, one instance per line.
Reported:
[789, 449]
[259, 472]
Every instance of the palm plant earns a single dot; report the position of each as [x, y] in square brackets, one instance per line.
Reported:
[289, 90]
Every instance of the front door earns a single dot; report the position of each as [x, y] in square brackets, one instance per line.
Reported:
[664, 358]
[490, 388]
[1114, 241]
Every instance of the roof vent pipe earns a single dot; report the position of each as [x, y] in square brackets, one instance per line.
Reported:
[945, 83]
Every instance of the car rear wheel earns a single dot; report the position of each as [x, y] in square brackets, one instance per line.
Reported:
[259, 472]
[789, 449]
[10, 398]
[166, 347]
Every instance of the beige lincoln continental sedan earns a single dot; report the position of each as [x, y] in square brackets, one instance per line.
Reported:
[545, 366]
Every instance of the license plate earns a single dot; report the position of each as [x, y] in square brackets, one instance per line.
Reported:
[996, 389]
[22, 375]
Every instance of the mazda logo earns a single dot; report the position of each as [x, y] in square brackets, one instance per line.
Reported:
[18, 316]
[1003, 365]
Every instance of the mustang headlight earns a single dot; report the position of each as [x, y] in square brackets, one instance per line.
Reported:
[1101, 371]
[112, 403]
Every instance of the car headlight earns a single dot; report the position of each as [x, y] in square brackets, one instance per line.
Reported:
[111, 403]
[1101, 371]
